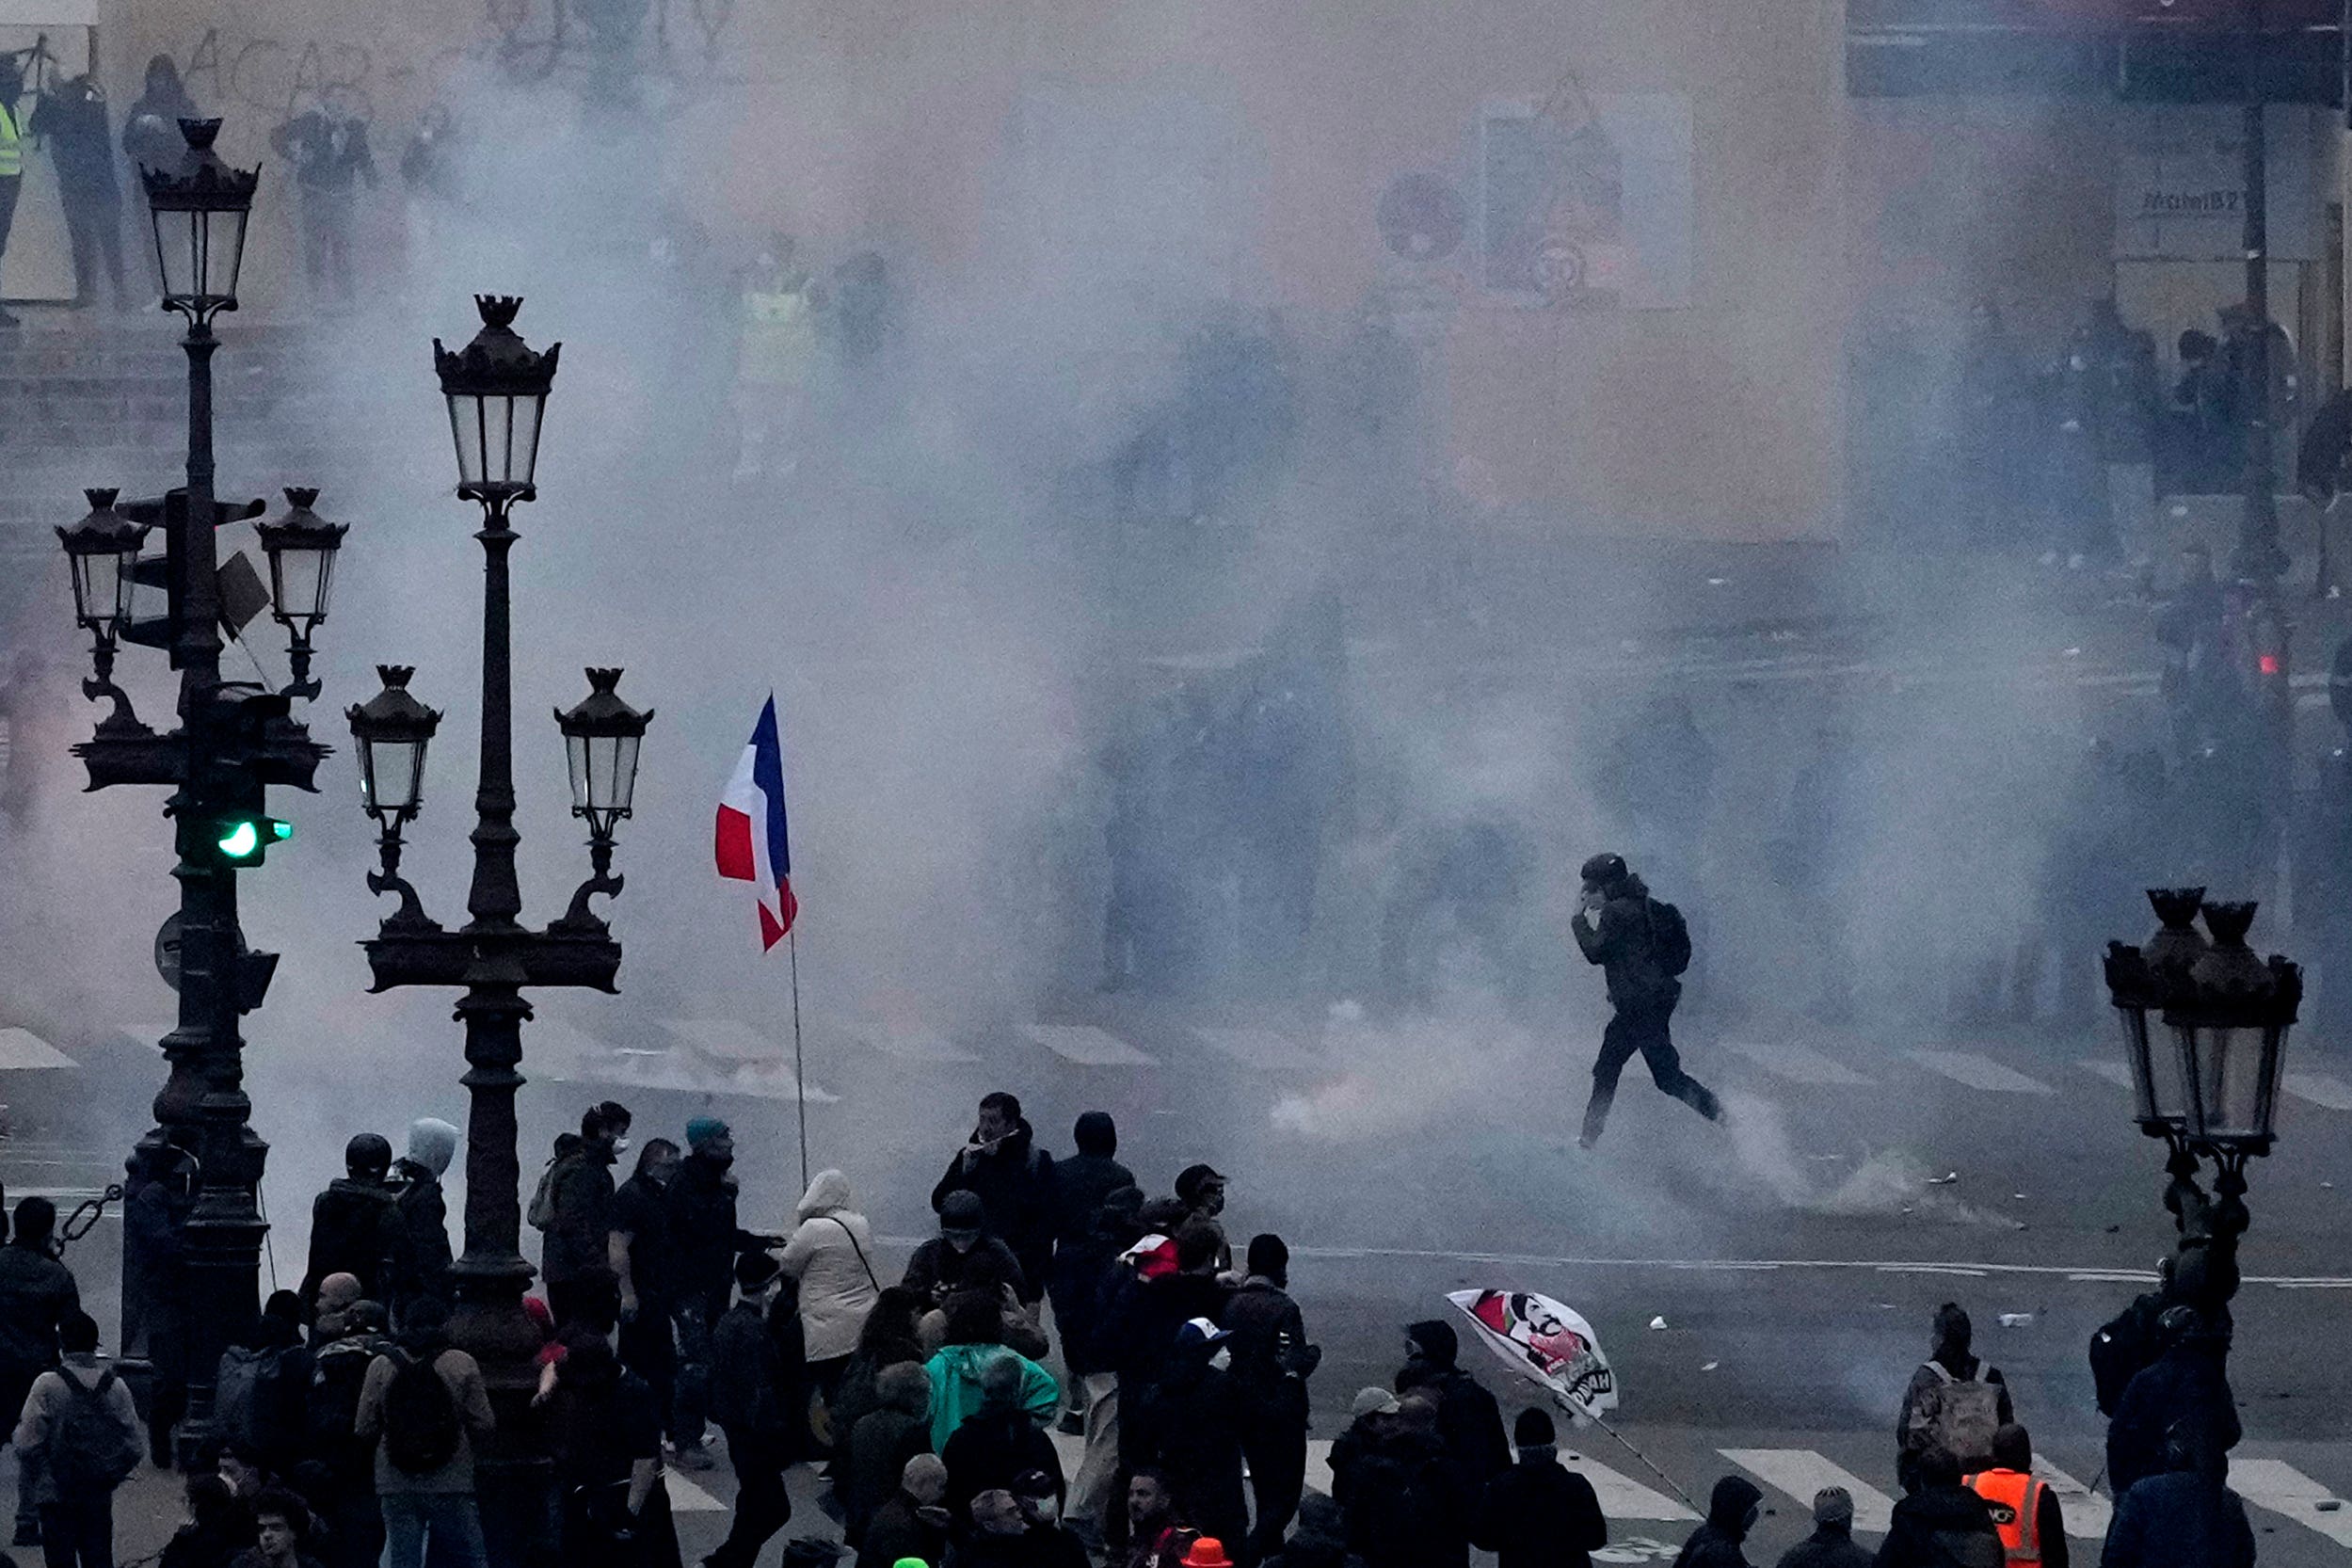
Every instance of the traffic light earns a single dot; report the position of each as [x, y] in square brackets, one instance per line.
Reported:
[244, 839]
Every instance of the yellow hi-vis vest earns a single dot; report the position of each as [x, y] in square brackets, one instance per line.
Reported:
[2014, 1500]
[11, 145]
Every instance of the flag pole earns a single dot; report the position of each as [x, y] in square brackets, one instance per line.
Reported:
[800, 1079]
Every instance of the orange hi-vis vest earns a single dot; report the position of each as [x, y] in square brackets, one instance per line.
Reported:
[2014, 1500]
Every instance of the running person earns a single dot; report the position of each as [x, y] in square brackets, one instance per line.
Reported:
[1643, 946]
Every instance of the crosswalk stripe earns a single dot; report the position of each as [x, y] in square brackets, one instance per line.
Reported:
[23, 1048]
[2323, 1090]
[686, 1497]
[1623, 1497]
[1797, 1063]
[2085, 1511]
[2281, 1488]
[2114, 1072]
[1979, 1072]
[1087, 1046]
[1802, 1472]
[1257, 1048]
[911, 1044]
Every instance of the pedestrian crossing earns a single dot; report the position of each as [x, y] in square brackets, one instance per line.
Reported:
[2273, 1488]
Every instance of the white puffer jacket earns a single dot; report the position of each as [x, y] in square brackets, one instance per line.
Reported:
[831, 1255]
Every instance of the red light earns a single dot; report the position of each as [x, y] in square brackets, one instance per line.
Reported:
[2270, 663]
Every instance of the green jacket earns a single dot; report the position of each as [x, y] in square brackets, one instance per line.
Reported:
[955, 1388]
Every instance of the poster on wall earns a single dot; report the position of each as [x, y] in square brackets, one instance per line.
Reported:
[1585, 200]
[2180, 192]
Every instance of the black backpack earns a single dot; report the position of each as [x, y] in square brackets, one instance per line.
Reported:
[90, 1451]
[333, 1405]
[420, 1431]
[1670, 937]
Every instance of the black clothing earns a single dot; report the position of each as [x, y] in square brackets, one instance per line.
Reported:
[1539, 1513]
[641, 1211]
[328, 155]
[1081, 1183]
[1016, 1187]
[895, 1532]
[2179, 1520]
[1402, 1500]
[2187, 1385]
[1191, 1424]
[1469, 1422]
[871, 1463]
[939, 1269]
[750, 1386]
[991, 1451]
[596, 1436]
[1828, 1546]
[701, 1202]
[1643, 1028]
[1942, 1527]
[36, 1293]
[1140, 1326]
[73, 121]
[1717, 1543]
[1271, 1361]
[580, 1190]
[355, 1229]
[763, 1506]
[1625, 944]
[425, 1229]
[1082, 1275]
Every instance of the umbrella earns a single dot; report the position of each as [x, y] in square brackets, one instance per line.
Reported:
[1555, 1349]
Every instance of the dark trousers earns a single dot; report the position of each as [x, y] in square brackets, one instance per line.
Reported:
[692, 1410]
[93, 225]
[1643, 1030]
[761, 1505]
[7, 217]
[15, 1382]
[647, 1349]
[79, 1533]
[1277, 1454]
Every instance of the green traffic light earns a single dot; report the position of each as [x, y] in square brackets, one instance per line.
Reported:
[245, 842]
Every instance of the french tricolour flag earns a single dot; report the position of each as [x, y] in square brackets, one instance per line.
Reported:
[752, 846]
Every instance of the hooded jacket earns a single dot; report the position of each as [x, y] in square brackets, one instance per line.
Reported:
[2188, 1383]
[2179, 1520]
[1717, 1543]
[1468, 1419]
[701, 1199]
[955, 1388]
[1942, 1527]
[1016, 1187]
[1623, 945]
[831, 1255]
[1539, 1513]
[424, 1208]
[1272, 1358]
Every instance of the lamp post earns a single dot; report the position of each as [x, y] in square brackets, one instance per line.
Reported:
[497, 388]
[2205, 1076]
[234, 740]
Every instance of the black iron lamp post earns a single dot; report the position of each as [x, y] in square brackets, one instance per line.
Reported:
[496, 390]
[2206, 1026]
[233, 740]
[301, 548]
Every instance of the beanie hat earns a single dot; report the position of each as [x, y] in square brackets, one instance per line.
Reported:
[1533, 1429]
[961, 1211]
[1190, 1179]
[432, 1143]
[1269, 1256]
[754, 1270]
[702, 1131]
[1832, 1505]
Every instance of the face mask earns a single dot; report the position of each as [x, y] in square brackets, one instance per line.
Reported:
[1223, 1359]
[1044, 1510]
[620, 1145]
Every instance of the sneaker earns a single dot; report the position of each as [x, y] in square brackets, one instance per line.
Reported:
[1586, 1142]
[692, 1456]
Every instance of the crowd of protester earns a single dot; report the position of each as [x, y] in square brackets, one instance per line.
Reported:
[348, 1425]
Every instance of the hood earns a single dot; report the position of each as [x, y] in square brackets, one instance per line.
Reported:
[1728, 1506]
[1438, 1342]
[432, 1143]
[827, 1193]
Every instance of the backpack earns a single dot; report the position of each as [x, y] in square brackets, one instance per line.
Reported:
[1960, 1416]
[542, 1211]
[1670, 938]
[91, 1453]
[420, 1431]
[333, 1408]
[2118, 1353]
[236, 1392]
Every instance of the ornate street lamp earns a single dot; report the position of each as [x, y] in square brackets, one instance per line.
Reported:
[2206, 1081]
[200, 211]
[497, 388]
[301, 548]
[103, 549]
